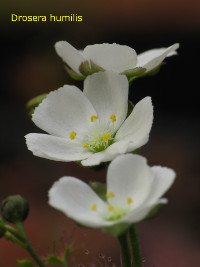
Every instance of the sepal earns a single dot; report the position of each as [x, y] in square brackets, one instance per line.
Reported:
[33, 103]
[131, 74]
[154, 211]
[89, 67]
[99, 189]
[116, 229]
[74, 75]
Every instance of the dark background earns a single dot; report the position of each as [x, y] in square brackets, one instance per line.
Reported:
[30, 66]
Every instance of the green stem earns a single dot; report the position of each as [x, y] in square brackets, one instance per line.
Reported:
[134, 243]
[14, 232]
[13, 239]
[126, 259]
[29, 247]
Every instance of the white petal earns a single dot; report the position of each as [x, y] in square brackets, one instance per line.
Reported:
[108, 154]
[152, 58]
[94, 159]
[63, 111]
[55, 148]
[163, 179]
[117, 58]
[74, 198]
[129, 176]
[140, 213]
[108, 92]
[71, 56]
[133, 133]
[136, 128]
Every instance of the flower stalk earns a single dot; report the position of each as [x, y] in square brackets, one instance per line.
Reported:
[135, 246]
[126, 259]
[28, 246]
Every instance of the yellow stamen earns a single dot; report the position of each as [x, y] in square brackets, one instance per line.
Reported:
[113, 117]
[110, 207]
[129, 200]
[72, 135]
[137, 61]
[86, 146]
[93, 207]
[110, 194]
[106, 137]
[93, 118]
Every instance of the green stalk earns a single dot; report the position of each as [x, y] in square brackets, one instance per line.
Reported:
[29, 247]
[135, 247]
[126, 259]
[13, 239]
[14, 232]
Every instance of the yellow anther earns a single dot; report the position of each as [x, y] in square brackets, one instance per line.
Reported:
[137, 61]
[72, 135]
[86, 146]
[110, 194]
[93, 207]
[93, 118]
[110, 207]
[106, 137]
[113, 117]
[129, 200]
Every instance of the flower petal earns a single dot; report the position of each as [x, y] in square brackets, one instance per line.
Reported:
[94, 159]
[108, 92]
[55, 148]
[74, 198]
[152, 58]
[129, 177]
[141, 212]
[63, 111]
[71, 56]
[117, 58]
[132, 134]
[136, 128]
[163, 179]
[108, 154]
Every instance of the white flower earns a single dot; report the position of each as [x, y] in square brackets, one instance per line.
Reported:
[133, 189]
[90, 126]
[118, 58]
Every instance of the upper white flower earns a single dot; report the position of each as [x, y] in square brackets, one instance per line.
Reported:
[90, 126]
[114, 57]
[133, 189]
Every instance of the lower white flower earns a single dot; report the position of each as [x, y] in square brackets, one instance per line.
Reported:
[90, 126]
[133, 189]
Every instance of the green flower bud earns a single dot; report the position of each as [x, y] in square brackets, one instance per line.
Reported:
[2, 228]
[14, 209]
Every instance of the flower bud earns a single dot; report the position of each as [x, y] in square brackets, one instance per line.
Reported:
[2, 228]
[14, 209]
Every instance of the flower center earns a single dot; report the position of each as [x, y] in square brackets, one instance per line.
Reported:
[101, 138]
[113, 212]
[99, 142]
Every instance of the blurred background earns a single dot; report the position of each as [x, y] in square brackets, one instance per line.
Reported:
[30, 66]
